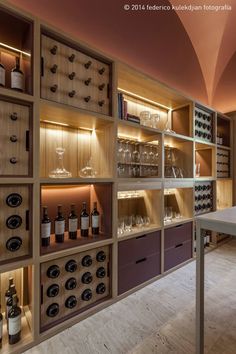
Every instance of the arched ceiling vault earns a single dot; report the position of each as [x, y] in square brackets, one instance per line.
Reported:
[193, 52]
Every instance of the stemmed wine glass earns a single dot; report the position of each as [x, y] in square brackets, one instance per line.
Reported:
[120, 154]
[135, 154]
[144, 155]
[127, 153]
[151, 155]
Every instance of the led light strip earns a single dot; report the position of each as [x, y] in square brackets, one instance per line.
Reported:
[144, 99]
[15, 49]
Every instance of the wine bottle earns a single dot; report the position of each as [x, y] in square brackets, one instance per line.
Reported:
[14, 200]
[53, 271]
[71, 302]
[13, 244]
[59, 225]
[71, 284]
[86, 278]
[87, 295]
[1, 326]
[95, 220]
[52, 310]
[53, 290]
[73, 223]
[2, 72]
[84, 221]
[101, 288]
[101, 272]
[71, 266]
[14, 221]
[9, 301]
[14, 322]
[17, 77]
[45, 228]
[87, 261]
[101, 256]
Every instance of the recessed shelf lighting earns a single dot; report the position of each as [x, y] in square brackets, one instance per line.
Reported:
[15, 49]
[144, 99]
[55, 123]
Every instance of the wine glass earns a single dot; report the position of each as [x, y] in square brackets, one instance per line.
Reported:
[135, 154]
[151, 155]
[139, 221]
[120, 153]
[60, 171]
[144, 155]
[127, 153]
[156, 156]
[155, 119]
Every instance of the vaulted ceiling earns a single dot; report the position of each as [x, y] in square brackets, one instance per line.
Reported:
[194, 52]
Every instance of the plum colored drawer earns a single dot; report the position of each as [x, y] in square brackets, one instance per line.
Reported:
[139, 247]
[178, 234]
[138, 272]
[177, 255]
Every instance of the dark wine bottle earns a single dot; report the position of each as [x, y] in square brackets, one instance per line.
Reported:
[52, 310]
[59, 225]
[71, 284]
[17, 77]
[95, 220]
[88, 64]
[45, 228]
[73, 223]
[14, 221]
[71, 266]
[87, 98]
[53, 271]
[1, 327]
[101, 288]
[84, 221]
[72, 93]
[13, 244]
[101, 272]
[14, 200]
[53, 50]
[87, 261]
[54, 69]
[71, 302]
[86, 278]
[101, 70]
[71, 58]
[101, 86]
[54, 88]
[9, 300]
[101, 103]
[101, 256]
[2, 73]
[87, 82]
[14, 116]
[71, 75]
[14, 322]
[86, 295]
[53, 290]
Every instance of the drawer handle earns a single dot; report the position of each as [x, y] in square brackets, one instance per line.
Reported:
[142, 236]
[179, 225]
[41, 294]
[141, 260]
[27, 140]
[42, 66]
[27, 220]
[179, 245]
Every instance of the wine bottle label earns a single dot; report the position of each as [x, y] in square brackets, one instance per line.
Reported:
[84, 223]
[73, 225]
[95, 221]
[59, 227]
[2, 76]
[14, 325]
[46, 230]
[17, 80]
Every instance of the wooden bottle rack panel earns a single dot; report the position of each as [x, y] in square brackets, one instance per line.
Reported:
[82, 82]
[203, 197]
[15, 138]
[23, 231]
[64, 312]
[204, 125]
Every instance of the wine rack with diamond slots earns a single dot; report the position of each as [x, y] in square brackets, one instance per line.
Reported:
[96, 158]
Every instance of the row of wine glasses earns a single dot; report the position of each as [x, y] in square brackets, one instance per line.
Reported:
[170, 214]
[130, 151]
[134, 171]
[127, 223]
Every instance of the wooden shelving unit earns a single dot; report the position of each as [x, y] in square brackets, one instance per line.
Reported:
[83, 116]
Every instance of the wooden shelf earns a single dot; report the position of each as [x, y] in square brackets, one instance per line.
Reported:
[16, 95]
[175, 222]
[72, 181]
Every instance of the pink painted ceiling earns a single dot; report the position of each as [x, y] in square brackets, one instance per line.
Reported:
[194, 52]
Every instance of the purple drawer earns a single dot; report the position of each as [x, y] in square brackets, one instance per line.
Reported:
[177, 255]
[136, 248]
[178, 234]
[141, 270]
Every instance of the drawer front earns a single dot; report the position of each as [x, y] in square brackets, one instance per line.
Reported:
[87, 88]
[136, 248]
[177, 255]
[14, 139]
[178, 234]
[138, 272]
[15, 239]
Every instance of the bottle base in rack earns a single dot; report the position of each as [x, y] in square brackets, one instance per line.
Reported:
[59, 238]
[13, 339]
